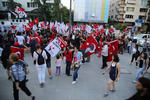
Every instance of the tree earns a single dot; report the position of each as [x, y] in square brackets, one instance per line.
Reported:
[12, 5]
[48, 12]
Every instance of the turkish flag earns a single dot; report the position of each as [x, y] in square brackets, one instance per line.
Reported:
[102, 30]
[95, 26]
[53, 28]
[89, 46]
[83, 28]
[30, 24]
[36, 21]
[112, 49]
[13, 27]
[27, 29]
[111, 30]
[37, 38]
[62, 43]
[18, 51]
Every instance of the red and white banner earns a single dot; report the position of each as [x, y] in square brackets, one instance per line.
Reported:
[62, 43]
[90, 46]
[53, 47]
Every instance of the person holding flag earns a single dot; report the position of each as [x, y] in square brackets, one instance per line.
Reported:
[77, 61]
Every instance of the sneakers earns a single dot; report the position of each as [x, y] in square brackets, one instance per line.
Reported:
[9, 78]
[42, 85]
[33, 98]
[50, 77]
[106, 94]
[73, 82]
[112, 90]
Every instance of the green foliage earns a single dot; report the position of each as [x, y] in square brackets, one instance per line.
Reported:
[12, 5]
[120, 26]
[65, 14]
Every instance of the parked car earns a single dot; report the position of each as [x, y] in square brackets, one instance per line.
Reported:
[148, 42]
[141, 37]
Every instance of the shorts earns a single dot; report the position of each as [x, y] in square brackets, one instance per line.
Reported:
[48, 63]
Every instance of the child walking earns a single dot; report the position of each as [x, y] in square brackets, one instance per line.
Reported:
[58, 64]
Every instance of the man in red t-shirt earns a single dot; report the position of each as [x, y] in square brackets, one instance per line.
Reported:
[69, 56]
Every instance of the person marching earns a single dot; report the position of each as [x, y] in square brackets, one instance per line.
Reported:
[114, 74]
[69, 56]
[18, 70]
[77, 61]
[104, 55]
[58, 64]
[143, 66]
[40, 58]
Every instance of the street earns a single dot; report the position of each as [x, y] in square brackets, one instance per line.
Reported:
[90, 86]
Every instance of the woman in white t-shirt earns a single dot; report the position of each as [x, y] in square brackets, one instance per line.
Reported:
[40, 63]
[20, 38]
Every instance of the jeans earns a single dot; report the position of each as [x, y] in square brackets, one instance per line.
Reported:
[75, 73]
[139, 73]
[57, 70]
[22, 86]
[68, 66]
[41, 73]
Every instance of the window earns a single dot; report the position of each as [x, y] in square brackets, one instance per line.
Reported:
[143, 9]
[144, 3]
[32, 4]
[130, 9]
[5, 4]
[111, 16]
[116, 16]
[28, 4]
[142, 17]
[129, 16]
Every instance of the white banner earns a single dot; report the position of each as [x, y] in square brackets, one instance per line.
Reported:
[53, 47]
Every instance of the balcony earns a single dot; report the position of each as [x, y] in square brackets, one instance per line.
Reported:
[122, 4]
[121, 11]
[131, 1]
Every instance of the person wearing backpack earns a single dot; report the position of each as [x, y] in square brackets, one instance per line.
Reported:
[40, 58]
[18, 70]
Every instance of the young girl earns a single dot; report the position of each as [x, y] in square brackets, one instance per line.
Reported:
[113, 74]
[58, 64]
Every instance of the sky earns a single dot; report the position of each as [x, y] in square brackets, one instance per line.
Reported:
[66, 3]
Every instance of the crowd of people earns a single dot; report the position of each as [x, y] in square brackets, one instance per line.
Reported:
[35, 41]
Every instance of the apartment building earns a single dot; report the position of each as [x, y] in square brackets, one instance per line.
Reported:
[128, 10]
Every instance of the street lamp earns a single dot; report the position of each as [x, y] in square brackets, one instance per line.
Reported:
[70, 13]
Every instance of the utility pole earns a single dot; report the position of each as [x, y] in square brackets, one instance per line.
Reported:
[70, 13]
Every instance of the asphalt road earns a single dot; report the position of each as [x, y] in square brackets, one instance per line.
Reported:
[90, 86]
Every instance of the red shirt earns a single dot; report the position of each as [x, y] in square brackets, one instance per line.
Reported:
[68, 56]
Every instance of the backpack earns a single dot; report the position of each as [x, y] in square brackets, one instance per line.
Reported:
[40, 59]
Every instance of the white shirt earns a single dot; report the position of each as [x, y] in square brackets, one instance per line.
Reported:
[58, 62]
[20, 39]
[134, 50]
[105, 50]
[35, 57]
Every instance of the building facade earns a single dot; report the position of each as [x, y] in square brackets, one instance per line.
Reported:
[128, 10]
